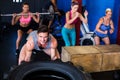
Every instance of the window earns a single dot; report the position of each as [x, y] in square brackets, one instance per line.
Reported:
[17, 1]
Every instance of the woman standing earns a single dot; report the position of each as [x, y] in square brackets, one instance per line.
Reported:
[104, 26]
[68, 31]
[25, 23]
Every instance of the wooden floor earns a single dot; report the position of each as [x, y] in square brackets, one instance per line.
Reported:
[8, 58]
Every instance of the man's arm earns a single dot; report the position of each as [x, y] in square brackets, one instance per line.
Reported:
[22, 55]
[26, 51]
[54, 52]
[54, 4]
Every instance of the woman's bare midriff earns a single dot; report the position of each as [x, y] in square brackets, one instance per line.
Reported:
[24, 25]
[69, 26]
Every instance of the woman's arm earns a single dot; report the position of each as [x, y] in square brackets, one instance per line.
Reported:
[36, 17]
[112, 27]
[68, 20]
[15, 19]
[85, 20]
[98, 26]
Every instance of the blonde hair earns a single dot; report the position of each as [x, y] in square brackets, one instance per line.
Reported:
[108, 10]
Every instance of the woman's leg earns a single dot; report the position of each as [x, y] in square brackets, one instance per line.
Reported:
[73, 37]
[29, 31]
[106, 40]
[65, 37]
[97, 40]
[20, 33]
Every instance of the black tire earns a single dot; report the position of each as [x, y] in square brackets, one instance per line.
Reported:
[87, 41]
[47, 70]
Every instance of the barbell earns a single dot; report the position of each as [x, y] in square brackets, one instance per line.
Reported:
[49, 12]
[45, 13]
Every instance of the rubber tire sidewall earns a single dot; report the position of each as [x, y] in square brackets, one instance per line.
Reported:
[24, 69]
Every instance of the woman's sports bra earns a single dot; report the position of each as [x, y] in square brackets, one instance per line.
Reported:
[103, 27]
[24, 20]
[71, 17]
[74, 20]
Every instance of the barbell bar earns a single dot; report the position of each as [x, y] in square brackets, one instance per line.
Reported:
[45, 13]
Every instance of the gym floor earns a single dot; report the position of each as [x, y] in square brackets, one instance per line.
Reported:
[8, 58]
